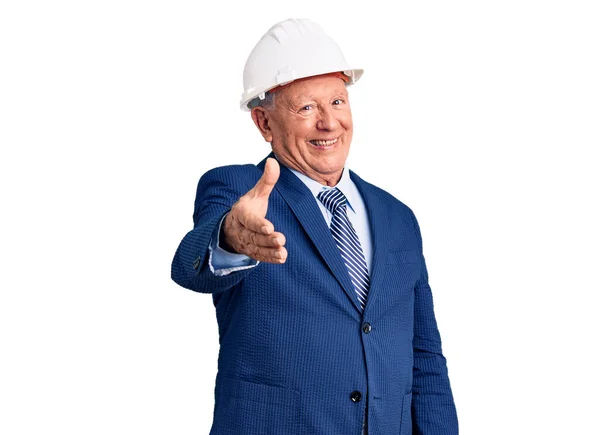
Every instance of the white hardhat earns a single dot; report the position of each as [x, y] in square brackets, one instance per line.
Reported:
[290, 50]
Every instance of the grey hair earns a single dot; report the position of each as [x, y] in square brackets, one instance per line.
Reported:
[268, 103]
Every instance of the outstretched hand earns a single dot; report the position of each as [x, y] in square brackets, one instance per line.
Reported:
[245, 229]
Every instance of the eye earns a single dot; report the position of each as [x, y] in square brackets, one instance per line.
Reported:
[307, 107]
[337, 102]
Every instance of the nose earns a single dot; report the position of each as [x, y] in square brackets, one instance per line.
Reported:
[327, 120]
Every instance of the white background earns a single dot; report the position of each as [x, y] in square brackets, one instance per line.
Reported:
[481, 116]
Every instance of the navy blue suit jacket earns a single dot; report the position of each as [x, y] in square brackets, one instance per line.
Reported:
[294, 349]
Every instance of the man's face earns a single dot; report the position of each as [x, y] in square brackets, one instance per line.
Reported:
[310, 127]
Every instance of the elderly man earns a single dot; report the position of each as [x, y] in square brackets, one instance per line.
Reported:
[325, 315]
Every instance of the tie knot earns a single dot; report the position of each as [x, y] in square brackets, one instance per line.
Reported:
[332, 199]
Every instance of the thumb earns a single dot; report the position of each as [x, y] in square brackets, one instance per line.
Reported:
[265, 185]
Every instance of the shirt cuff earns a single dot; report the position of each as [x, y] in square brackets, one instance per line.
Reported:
[222, 262]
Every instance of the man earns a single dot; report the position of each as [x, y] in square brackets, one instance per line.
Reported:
[325, 315]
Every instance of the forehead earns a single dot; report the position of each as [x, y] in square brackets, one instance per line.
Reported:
[314, 88]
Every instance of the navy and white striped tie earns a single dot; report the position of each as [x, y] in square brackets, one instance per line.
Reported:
[347, 241]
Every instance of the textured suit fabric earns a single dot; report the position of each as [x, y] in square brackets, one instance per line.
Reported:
[293, 346]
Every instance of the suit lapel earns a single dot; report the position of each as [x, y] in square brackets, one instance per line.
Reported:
[304, 206]
[379, 225]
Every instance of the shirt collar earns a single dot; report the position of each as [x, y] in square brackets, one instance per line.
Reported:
[345, 185]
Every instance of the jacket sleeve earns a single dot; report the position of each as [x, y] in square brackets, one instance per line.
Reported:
[433, 408]
[218, 190]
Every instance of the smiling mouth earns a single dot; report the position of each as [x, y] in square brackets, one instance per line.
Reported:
[324, 143]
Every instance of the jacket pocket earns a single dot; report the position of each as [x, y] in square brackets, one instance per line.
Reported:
[403, 256]
[246, 407]
[406, 418]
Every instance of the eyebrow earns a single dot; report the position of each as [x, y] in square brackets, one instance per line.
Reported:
[299, 100]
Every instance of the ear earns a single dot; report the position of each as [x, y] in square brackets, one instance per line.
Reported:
[260, 116]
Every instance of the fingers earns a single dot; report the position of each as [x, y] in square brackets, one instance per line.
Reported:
[274, 240]
[263, 247]
[247, 230]
[257, 224]
[265, 185]
[269, 255]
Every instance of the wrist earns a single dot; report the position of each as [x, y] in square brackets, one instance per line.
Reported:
[223, 239]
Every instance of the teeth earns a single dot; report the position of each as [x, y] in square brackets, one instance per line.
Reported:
[323, 143]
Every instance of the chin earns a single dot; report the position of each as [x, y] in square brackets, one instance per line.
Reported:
[328, 169]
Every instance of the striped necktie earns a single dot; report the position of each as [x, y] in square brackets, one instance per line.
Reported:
[347, 241]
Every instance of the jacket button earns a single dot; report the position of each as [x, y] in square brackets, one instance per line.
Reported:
[355, 396]
[366, 327]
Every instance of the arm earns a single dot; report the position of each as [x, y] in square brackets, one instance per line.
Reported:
[218, 190]
[433, 409]
[245, 230]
